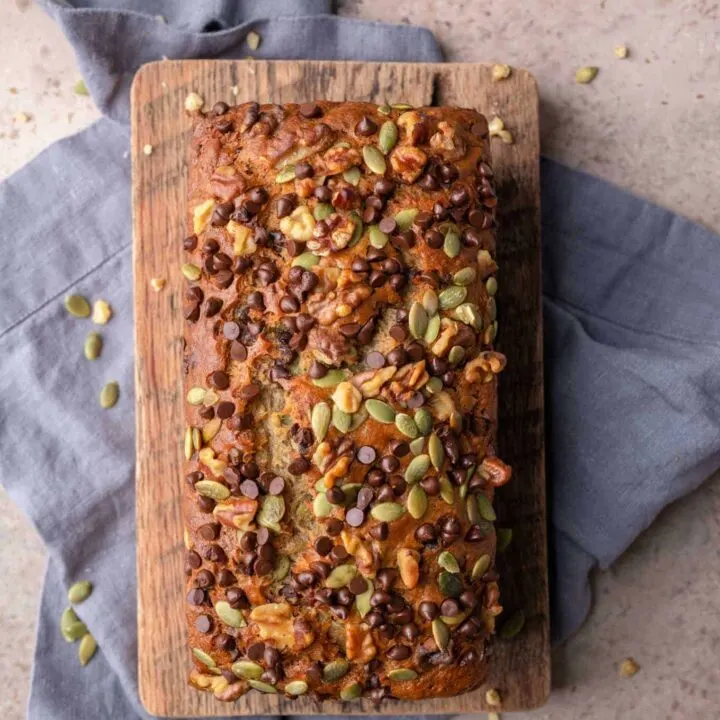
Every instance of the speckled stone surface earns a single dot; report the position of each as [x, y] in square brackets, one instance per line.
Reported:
[648, 123]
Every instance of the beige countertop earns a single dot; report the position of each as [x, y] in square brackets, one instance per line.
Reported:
[648, 123]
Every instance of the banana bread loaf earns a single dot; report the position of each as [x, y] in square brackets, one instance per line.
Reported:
[341, 389]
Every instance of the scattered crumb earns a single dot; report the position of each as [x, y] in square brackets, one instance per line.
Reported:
[586, 74]
[102, 312]
[628, 668]
[164, 85]
[22, 117]
[700, 96]
[157, 283]
[496, 125]
[161, 19]
[506, 136]
[493, 716]
[501, 72]
[80, 88]
[492, 697]
[194, 102]
[621, 52]
[13, 90]
[148, 149]
[235, 89]
[70, 117]
[253, 40]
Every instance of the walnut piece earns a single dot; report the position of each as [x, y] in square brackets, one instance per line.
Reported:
[495, 471]
[338, 159]
[447, 140]
[359, 644]
[347, 397]
[408, 162]
[243, 238]
[409, 567]
[202, 214]
[370, 383]
[414, 127]
[238, 514]
[299, 225]
[274, 621]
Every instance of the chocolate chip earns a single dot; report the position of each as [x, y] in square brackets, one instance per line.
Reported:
[206, 413]
[358, 585]
[213, 307]
[248, 541]
[205, 504]
[258, 195]
[360, 265]
[384, 187]
[428, 610]
[276, 486]
[397, 356]
[339, 553]
[289, 304]
[398, 485]
[225, 409]
[267, 273]
[459, 196]
[431, 485]
[468, 599]
[250, 392]
[399, 448]
[389, 463]
[366, 126]
[366, 332]
[371, 215]
[216, 554]
[416, 352]
[375, 477]
[387, 577]
[203, 624]
[299, 466]
[256, 651]
[375, 359]
[410, 631]
[423, 220]
[304, 170]
[231, 330]
[388, 225]
[450, 607]
[335, 495]
[263, 567]
[426, 533]
[209, 531]
[210, 246]
[379, 599]
[323, 545]
[344, 198]
[323, 194]
[196, 596]
[256, 300]
[190, 243]
[385, 494]
[310, 110]
[222, 261]
[344, 597]
[434, 239]
[192, 313]
[205, 579]
[399, 652]
[238, 351]
[355, 517]
[416, 400]
[366, 455]
[334, 527]
[285, 205]
[262, 536]
[374, 619]
[317, 370]
[377, 279]
[225, 642]
[364, 498]
[225, 578]
[350, 330]
[449, 173]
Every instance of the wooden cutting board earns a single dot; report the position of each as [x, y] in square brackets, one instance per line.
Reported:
[521, 666]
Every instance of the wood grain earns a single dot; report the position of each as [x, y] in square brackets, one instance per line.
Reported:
[521, 666]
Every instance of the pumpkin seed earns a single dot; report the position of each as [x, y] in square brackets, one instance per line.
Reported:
[335, 670]
[296, 687]
[450, 584]
[374, 159]
[513, 625]
[285, 175]
[68, 618]
[358, 419]
[253, 40]
[247, 669]
[451, 245]
[433, 329]
[405, 218]
[463, 490]
[357, 229]
[332, 378]
[351, 692]
[229, 615]
[487, 512]
[492, 309]
[109, 395]
[196, 439]
[436, 451]
[320, 420]
[321, 211]
[456, 355]
[417, 502]
[262, 687]
[466, 276]
[486, 527]
[212, 489]
[80, 591]
[430, 301]
[417, 445]
[77, 306]
[402, 674]
[188, 443]
[585, 75]
[441, 634]
[362, 601]
[406, 425]
[417, 320]
[322, 506]
[340, 576]
[469, 313]
[387, 137]
[447, 491]
[423, 420]
[195, 395]
[491, 334]
[377, 237]
[191, 272]
[451, 297]
[434, 384]
[305, 260]
[401, 106]
[86, 649]
[204, 658]
[473, 511]
[340, 419]
[211, 429]
[387, 511]
[93, 346]
[74, 631]
[282, 568]
[380, 411]
[504, 538]
[352, 175]
[384, 109]
[446, 560]
[491, 285]
[417, 468]
[454, 620]
[271, 512]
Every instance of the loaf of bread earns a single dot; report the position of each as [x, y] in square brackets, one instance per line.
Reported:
[341, 401]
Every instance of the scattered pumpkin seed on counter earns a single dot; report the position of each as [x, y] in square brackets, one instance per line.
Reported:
[80, 591]
[513, 625]
[93, 346]
[86, 649]
[78, 306]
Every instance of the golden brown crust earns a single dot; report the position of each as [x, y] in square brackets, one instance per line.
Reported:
[339, 327]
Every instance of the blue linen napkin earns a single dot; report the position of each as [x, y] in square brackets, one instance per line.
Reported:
[631, 338]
